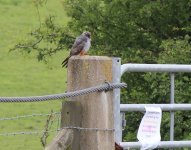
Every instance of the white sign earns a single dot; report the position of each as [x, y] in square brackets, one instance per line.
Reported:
[149, 129]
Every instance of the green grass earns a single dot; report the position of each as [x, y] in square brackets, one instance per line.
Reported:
[23, 75]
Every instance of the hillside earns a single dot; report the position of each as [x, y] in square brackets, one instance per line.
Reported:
[23, 75]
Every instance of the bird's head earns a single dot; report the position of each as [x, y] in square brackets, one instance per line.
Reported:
[87, 34]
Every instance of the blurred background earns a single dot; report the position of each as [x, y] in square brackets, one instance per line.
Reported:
[24, 75]
[37, 34]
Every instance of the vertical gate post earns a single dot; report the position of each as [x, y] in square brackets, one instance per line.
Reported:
[172, 77]
[116, 67]
[95, 117]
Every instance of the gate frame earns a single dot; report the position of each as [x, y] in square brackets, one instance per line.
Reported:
[165, 68]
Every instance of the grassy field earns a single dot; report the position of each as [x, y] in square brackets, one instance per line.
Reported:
[23, 75]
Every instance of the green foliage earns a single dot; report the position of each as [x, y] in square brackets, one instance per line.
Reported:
[175, 51]
[49, 33]
[138, 31]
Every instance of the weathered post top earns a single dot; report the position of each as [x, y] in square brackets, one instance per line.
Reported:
[87, 71]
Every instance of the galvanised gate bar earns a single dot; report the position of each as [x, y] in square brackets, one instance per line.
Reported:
[166, 68]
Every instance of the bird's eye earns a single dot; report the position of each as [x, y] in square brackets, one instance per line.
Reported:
[88, 35]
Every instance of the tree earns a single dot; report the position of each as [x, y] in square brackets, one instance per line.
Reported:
[138, 31]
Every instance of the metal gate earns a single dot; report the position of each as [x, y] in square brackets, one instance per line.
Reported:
[168, 68]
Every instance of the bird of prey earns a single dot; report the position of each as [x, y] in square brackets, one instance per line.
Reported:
[80, 47]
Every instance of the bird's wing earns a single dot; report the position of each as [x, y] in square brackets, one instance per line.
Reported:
[74, 51]
[79, 40]
[78, 48]
[78, 45]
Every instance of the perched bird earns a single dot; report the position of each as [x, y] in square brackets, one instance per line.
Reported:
[80, 47]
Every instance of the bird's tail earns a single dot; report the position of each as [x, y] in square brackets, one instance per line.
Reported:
[65, 62]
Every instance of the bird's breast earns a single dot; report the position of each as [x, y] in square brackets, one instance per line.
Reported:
[87, 45]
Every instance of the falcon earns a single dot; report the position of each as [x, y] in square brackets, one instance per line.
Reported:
[80, 47]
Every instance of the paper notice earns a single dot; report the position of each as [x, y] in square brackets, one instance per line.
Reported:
[149, 129]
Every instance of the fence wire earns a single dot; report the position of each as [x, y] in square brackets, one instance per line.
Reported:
[26, 133]
[28, 116]
[105, 87]
[55, 130]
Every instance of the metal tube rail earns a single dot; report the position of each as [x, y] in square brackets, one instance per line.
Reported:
[172, 76]
[164, 107]
[162, 144]
[154, 68]
[168, 68]
[116, 69]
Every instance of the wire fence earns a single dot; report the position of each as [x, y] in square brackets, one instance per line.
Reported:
[26, 133]
[40, 132]
[28, 116]
[105, 87]
[55, 115]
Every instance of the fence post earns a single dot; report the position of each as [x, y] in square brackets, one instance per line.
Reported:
[96, 116]
[116, 77]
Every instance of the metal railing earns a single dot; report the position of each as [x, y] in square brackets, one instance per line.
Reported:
[166, 68]
[163, 144]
